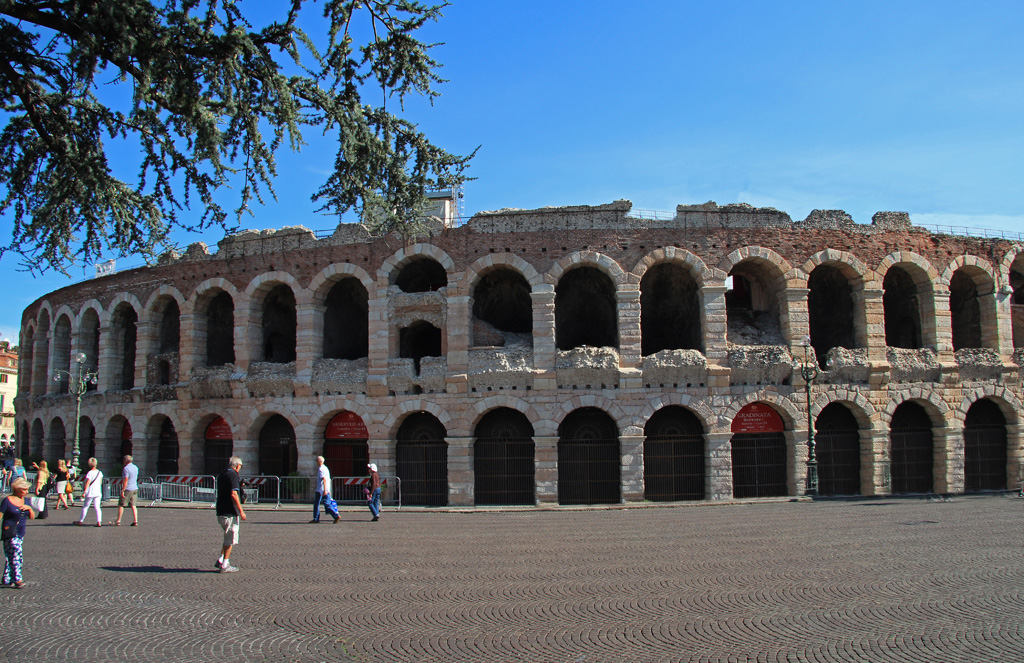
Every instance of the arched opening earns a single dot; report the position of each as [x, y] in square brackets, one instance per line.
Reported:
[163, 372]
[674, 453]
[837, 436]
[421, 274]
[62, 353]
[501, 299]
[25, 365]
[346, 321]
[421, 458]
[503, 458]
[36, 450]
[758, 452]
[585, 310]
[167, 448]
[89, 337]
[912, 462]
[126, 448]
[55, 441]
[589, 462]
[985, 442]
[1017, 300]
[278, 451]
[670, 311]
[125, 332]
[220, 330]
[40, 379]
[970, 292]
[902, 309]
[279, 323]
[218, 445]
[830, 311]
[170, 327]
[752, 304]
[346, 446]
[86, 440]
[418, 340]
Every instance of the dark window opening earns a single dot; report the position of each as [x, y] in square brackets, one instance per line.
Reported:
[279, 323]
[502, 300]
[346, 321]
[164, 372]
[62, 353]
[421, 275]
[220, 331]
[418, 340]
[126, 330]
[90, 339]
[278, 452]
[589, 462]
[912, 459]
[837, 438]
[830, 311]
[965, 310]
[985, 441]
[170, 328]
[503, 459]
[421, 458]
[674, 456]
[585, 310]
[902, 310]
[751, 308]
[670, 315]
[1017, 306]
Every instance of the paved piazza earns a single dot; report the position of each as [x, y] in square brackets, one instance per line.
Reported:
[872, 580]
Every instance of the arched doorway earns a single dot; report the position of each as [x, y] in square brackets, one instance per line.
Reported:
[421, 457]
[589, 464]
[912, 459]
[758, 453]
[837, 437]
[346, 446]
[218, 445]
[126, 440]
[674, 456]
[984, 447]
[278, 452]
[503, 458]
[167, 450]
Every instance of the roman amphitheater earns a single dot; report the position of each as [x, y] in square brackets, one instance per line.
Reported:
[570, 355]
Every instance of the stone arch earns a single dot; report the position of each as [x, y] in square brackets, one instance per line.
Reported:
[971, 284]
[400, 411]
[909, 314]
[483, 406]
[696, 267]
[492, 261]
[163, 440]
[324, 411]
[672, 303]
[931, 401]
[213, 306]
[786, 408]
[1009, 404]
[700, 408]
[837, 317]
[61, 345]
[623, 421]
[595, 259]
[122, 342]
[500, 300]
[392, 265]
[587, 293]
[858, 404]
[322, 283]
[1011, 275]
[272, 300]
[757, 308]
[163, 292]
[41, 352]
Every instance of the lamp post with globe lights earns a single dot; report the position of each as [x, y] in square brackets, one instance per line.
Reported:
[78, 384]
[809, 371]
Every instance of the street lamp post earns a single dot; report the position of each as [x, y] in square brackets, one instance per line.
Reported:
[809, 371]
[78, 384]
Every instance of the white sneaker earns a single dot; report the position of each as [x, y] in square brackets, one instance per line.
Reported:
[228, 569]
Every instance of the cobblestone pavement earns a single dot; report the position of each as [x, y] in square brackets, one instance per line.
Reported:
[873, 580]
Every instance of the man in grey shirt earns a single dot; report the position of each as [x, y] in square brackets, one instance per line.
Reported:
[129, 488]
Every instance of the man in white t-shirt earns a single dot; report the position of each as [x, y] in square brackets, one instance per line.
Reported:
[323, 492]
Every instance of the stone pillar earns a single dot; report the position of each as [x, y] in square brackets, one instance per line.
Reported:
[544, 349]
[190, 354]
[146, 344]
[460, 471]
[874, 323]
[249, 452]
[43, 359]
[796, 322]
[107, 361]
[1004, 323]
[632, 469]
[875, 473]
[457, 377]
[248, 338]
[1014, 456]
[949, 459]
[379, 332]
[546, 468]
[943, 326]
[716, 325]
[796, 441]
[627, 298]
[309, 344]
[718, 472]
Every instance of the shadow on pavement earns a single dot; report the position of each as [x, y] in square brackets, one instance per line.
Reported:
[154, 569]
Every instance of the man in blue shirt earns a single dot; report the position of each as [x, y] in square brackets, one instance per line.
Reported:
[129, 489]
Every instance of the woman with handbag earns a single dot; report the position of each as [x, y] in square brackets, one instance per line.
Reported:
[61, 477]
[42, 488]
[15, 513]
[92, 493]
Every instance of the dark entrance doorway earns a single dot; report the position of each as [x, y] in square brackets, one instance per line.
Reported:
[421, 458]
[588, 458]
[838, 449]
[503, 458]
[346, 446]
[984, 447]
[219, 445]
[913, 456]
[674, 456]
[278, 453]
[758, 453]
[167, 450]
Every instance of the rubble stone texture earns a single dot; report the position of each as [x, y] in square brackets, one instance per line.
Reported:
[550, 312]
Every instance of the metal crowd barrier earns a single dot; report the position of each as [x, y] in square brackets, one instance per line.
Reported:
[187, 488]
[352, 490]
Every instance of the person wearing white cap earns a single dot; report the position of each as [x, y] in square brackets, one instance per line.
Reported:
[374, 501]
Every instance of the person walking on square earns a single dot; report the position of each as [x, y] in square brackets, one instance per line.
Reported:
[61, 477]
[92, 493]
[42, 488]
[323, 493]
[229, 512]
[374, 501]
[15, 513]
[129, 489]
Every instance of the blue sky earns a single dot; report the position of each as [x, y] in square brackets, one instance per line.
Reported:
[868, 106]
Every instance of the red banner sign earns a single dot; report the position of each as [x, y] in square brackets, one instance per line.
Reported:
[218, 430]
[347, 426]
[757, 418]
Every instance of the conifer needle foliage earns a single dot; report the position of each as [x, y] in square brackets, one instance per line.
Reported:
[206, 100]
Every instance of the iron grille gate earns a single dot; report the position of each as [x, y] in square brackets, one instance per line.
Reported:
[759, 465]
[674, 467]
[424, 471]
[588, 459]
[838, 453]
[504, 469]
[985, 457]
[913, 460]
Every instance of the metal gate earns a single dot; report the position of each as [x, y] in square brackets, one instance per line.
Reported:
[838, 451]
[674, 456]
[347, 458]
[421, 456]
[503, 459]
[759, 465]
[588, 459]
[984, 448]
[912, 460]
[167, 449]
